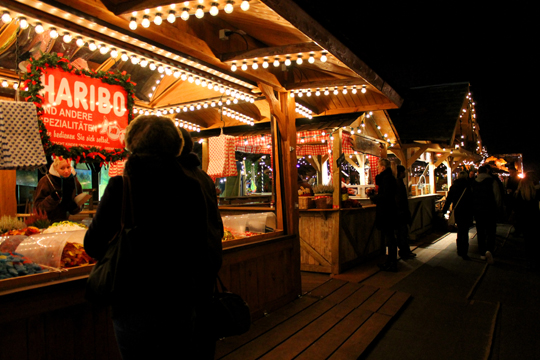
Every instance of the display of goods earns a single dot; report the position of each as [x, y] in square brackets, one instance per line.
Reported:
[323, 189]
[75, 255]
[64, 226]
[10, 223]
[15, 264]
[38, 219]
[304, 191]
[227, 235]
[10, 243]
[50, 249]
[26, 231]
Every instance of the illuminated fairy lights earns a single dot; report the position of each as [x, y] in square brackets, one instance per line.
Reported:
[238, 116]
[184, 11]
[334, 90]
[203, 78]
[304, 111]
[7, 83]
[278, 60]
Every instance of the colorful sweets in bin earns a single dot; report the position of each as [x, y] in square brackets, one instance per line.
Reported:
[14, 264]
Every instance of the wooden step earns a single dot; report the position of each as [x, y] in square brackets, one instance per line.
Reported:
[336, 320]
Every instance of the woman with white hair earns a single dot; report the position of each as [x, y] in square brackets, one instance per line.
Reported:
[56, 190]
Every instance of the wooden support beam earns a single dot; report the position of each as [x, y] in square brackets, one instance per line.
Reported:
[441, 159]
[275, 109]
[271, 52]
[336, 170]
[416, 155]
[8, 200]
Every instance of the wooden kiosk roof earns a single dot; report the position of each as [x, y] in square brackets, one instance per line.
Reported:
[268, 29]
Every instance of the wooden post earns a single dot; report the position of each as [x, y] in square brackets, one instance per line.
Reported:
[8, 201]
[431, 173]
[336, 171]
[448, 173]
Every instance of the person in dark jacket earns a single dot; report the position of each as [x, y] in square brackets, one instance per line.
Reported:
[461, 198]
[485, 194]
[386, 213]
[404, 216]
[56, 191]
[163, 272]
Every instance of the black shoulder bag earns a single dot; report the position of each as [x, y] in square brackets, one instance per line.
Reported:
[230, 314]
[107, 278]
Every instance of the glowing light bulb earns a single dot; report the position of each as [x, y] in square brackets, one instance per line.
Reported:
[67, 37]
[133, 23]
[265, 63]
[4, 82]
[53, 33]
[311, 59]
[336, 91]
[134, 60]
[161, 69]
[299, 60]
[171, 18]
[39, 28]
[145, 21]
[234, 67]
[80, 41]
[124, 56]
[92, 45]
[288, 61]
[326, 92]
[318, 92]
[199, 13]
[214, 9]
[255, 65]
[276, 62]
[23, 23]
[103, 49]
[144, 62]
[158, 19]
[363, 90]
[344, 90]
[6, 17]
[244, 66]
[228, 7]
[245, 5]
[185, 14]
[323, 56]
[183, 76]
[354, 91]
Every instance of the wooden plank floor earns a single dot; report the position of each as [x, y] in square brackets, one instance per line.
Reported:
[336, 320]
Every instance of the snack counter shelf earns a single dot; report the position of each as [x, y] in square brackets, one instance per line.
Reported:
[334, 240]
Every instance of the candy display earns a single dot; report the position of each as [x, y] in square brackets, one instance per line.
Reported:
[64, 226]
[14, 265]
[75, 255]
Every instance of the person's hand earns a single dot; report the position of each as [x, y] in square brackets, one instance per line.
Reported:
[447, 215]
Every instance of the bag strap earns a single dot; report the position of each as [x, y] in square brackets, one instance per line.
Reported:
[463, 193]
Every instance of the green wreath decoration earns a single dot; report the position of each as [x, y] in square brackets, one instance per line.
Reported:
[80, 154]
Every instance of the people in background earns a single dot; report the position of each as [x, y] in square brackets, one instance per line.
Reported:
[485, 194]
[404, 216]
[461, 198]
[511, 185]
[56, 191]
[386, 214]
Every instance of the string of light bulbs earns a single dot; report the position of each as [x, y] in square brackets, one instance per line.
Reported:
[238, 116]
[277, 61]
[183, 11]
[327, 91]
[5, 83]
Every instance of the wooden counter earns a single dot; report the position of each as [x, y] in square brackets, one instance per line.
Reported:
[334, 240]
[45, 316]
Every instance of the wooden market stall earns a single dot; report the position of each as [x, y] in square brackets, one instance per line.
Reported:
[437, 130]
[215, 71]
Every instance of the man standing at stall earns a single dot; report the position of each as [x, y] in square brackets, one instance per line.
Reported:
[485, 194]
[386, 213]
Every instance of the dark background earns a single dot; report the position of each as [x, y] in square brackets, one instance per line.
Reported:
[412, 44]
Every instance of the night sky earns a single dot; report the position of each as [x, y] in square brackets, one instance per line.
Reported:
[410, 45]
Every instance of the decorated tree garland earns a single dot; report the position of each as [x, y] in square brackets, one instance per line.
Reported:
[33, 85]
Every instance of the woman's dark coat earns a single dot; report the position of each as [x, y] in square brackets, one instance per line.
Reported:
[465, 209]
[386, 214]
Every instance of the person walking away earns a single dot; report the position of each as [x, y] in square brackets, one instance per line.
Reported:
[404, 216]
[527, 215]
[163, 272]
[56, 191]
[511, 185]
[485, 212]
[386, 212]
[461, 198]
[501, 193]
